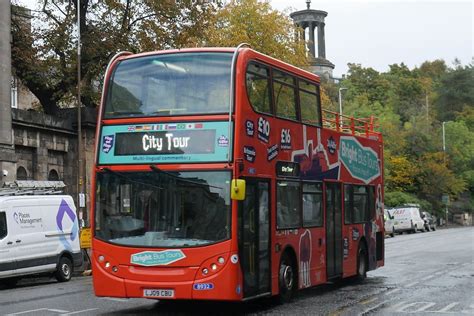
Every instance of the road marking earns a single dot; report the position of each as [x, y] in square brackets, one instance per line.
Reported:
[429, 277]
[403, 308]
[373, 308]
[447, 308]
[411, 284]
[367, 301]
[79, 312]
[392, 291]
[428, 305]
[38, 310]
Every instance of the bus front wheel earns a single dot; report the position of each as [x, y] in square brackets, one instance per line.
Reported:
[286, 279]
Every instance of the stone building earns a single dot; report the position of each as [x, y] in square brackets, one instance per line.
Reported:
[313, 21]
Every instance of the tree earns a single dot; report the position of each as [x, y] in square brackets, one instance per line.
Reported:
[456, 91]
[256, 23]
[45, 59]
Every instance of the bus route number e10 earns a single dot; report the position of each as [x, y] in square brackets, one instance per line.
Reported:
[158, 293]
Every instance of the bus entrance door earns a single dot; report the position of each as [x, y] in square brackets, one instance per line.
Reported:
[254, 233]
[333, 230]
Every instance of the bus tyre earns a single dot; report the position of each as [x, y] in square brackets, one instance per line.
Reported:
[361, 263]
[286, 279]
[64, 270]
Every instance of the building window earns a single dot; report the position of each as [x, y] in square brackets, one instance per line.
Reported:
[14, 93]
[53, 175]
[288, 206]
[21, 174]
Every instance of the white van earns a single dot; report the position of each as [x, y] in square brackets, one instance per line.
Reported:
[38, 234]
[407, 218]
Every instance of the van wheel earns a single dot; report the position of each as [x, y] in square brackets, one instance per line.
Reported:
[392, 234]
[64, 271]
[361, 264]
[286, 279]
[415, 229]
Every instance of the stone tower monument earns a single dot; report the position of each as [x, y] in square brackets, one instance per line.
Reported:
[7, 152]
[311, 20]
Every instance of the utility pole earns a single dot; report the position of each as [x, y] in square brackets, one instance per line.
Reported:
[80, 147]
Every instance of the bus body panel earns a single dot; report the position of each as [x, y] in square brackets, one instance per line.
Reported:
[318, 152]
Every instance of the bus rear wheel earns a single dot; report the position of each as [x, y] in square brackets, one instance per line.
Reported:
[286, 279]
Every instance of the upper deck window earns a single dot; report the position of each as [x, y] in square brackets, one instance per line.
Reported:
[170, 84]
[284, 95]
[258, 87]
[309, 103]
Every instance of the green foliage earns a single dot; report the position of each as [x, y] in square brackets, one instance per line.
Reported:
[256, 23]
[45, 59]
[411, 105]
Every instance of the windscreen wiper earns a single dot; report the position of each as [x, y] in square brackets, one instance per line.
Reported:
[158, 170]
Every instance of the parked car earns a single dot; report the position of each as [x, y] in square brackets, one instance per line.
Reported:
[389, 223]
[407, 219]
[430, 221]
[38, 234]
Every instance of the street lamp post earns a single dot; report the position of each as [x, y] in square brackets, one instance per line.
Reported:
[445, 200]
[340, 106]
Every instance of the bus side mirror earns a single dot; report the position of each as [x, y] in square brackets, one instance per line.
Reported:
[237, 189]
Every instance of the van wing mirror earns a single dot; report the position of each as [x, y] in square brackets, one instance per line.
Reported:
[237, 189]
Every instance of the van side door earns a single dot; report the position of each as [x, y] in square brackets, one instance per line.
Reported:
[7, 249]
[32, 250]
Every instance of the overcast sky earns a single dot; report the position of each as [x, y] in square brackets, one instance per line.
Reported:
[378, 33]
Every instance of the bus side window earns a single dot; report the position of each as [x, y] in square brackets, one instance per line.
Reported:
[348, 203]
[258, 88]
[3, 225]
[288, 205]
[309, 103]
[284, 95]
[360, 203]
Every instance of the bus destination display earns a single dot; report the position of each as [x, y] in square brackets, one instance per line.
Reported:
[164, 143]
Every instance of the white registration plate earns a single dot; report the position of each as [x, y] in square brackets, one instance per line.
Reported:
[158, 293]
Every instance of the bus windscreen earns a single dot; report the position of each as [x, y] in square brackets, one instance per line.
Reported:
[170, 84]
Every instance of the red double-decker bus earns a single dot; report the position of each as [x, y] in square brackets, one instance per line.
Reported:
[218, 178]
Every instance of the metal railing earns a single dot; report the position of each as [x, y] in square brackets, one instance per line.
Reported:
[365, 127]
